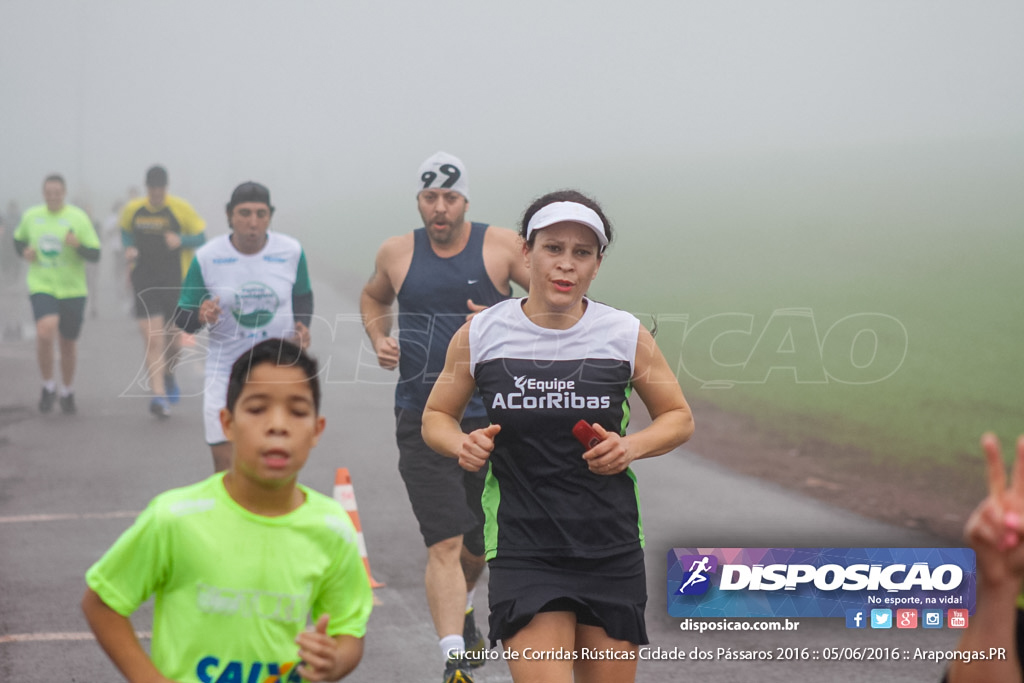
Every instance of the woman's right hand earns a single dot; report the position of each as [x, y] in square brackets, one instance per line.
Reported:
[476, 448]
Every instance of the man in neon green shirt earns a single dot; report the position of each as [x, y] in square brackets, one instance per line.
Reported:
[240, 560]
[57, 239]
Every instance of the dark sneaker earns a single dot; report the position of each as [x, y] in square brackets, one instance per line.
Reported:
[47, 400]
[475, 643]
[67, 404]
[160, 407]
[457, 671]
[172, 388]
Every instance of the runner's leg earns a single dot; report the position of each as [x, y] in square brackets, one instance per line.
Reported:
[546, 632]
[46, 335]
[620, 669]
[446, 586]
[152, 330]
[472, 567]
[68, 360]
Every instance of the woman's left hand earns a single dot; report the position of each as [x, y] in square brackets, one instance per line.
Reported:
[610, 456]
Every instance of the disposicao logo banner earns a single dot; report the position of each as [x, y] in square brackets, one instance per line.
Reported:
[816, 582]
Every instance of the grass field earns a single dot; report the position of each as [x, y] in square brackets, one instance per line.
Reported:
[906, 273]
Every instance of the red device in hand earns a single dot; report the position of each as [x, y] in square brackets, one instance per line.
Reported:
[586, 434]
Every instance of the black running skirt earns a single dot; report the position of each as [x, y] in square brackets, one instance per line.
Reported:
[610, 592]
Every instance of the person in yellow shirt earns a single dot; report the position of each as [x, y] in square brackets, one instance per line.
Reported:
[160, 232]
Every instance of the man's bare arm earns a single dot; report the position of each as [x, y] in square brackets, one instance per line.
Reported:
[376, 307]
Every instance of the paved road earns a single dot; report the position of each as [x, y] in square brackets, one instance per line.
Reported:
[70, 485]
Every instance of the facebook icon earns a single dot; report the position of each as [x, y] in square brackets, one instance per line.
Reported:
[856, 618]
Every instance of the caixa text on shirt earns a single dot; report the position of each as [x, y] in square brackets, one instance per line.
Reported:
[547, 394]
[212, 670]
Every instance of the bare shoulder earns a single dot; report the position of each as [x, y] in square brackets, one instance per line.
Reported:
[457, 356]
[395, 248]
[459, 344]
[394, 257]
[503, 254]
[502, 239]
[644, 336]
[390, 267]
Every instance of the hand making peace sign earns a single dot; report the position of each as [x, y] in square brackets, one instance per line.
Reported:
[994, 529]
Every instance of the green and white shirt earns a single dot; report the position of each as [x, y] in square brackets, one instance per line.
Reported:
[254, 292]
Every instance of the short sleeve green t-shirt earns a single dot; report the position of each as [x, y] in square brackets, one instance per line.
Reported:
[58, 270]
[233, 589]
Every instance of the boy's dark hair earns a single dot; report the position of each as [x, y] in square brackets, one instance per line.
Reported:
[280, 352]
[55, 178]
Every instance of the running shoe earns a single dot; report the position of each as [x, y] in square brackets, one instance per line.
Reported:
[67, 404]
[172, 388]
[457, 671]
[160, 407]
[47, 400]
[475, 642]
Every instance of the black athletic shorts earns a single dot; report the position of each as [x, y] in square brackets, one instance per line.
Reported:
[71, 312]
[445, 498]
[151, 301]
[610, 592]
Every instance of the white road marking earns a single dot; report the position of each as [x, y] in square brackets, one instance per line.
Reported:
[65, 516]
[51, 637]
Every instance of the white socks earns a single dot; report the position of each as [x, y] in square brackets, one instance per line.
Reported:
[51, 386]
[452, 646]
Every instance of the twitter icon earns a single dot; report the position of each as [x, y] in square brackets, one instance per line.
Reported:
[881, 618]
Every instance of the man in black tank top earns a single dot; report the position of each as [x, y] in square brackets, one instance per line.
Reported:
[440, 274]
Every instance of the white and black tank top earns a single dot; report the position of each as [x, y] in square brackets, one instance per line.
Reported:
[540, 499]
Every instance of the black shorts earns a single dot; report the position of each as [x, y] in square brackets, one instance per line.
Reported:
[609, 592]
[154, 300]
[71, 312]
[445, 498]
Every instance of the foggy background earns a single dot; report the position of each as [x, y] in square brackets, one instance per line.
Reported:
[334, 104]
[839, 156]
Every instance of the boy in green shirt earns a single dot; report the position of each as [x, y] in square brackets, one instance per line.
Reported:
[238, 561]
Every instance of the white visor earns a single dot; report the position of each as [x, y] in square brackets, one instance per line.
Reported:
[571, 212]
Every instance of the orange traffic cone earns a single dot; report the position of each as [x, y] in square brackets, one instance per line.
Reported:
[345, 494]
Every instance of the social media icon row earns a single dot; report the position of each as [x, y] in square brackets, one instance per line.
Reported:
[905, 618]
